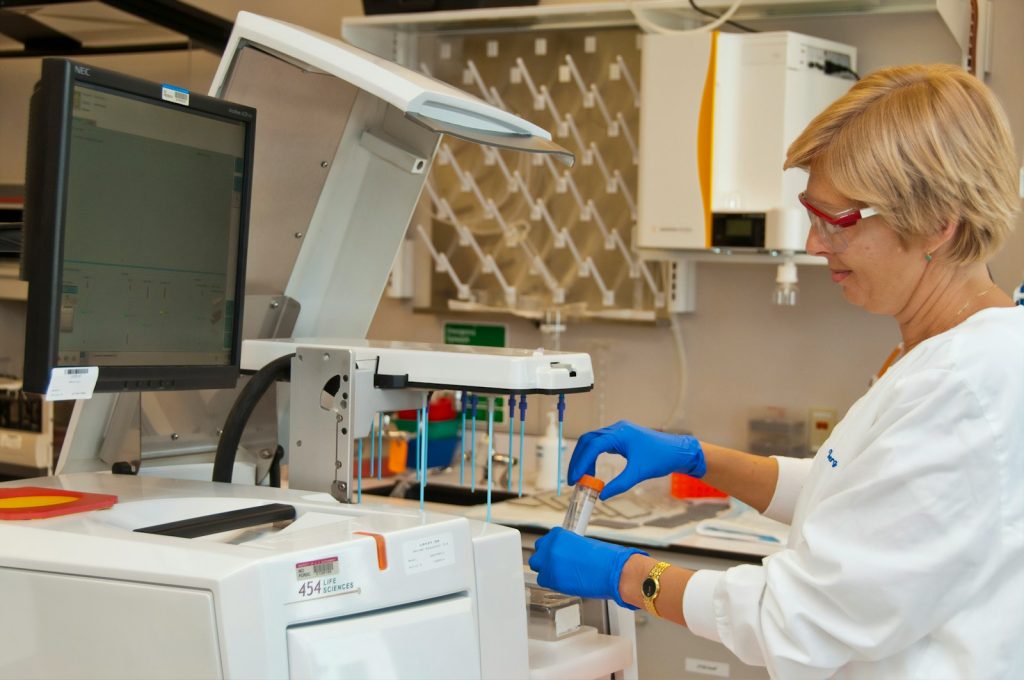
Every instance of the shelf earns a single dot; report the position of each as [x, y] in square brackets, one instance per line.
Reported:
[11, 287]
[954, 13]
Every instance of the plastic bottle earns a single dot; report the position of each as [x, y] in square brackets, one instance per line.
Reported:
[581, 504]
[547, 457]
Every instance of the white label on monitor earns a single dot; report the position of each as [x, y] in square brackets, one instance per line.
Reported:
[429, 553]
[174, 94]
[72, 383]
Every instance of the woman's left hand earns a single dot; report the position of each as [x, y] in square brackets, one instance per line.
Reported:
[576, 565]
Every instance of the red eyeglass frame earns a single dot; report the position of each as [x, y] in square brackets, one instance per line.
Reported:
[843, 220]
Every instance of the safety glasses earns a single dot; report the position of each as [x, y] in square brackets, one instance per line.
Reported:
[830, 227]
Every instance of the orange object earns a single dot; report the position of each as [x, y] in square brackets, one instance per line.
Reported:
[398, 455]
[591, 483]
[382, 548]
[34, 502]
[685, 486]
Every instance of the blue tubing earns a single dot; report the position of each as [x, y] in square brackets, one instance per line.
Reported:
[462, 451]
[490, 453]
[423, 451]
[561, 420]
[359, 474]
[380, 448]
[373, 450]
[522, 429]
[511, 434]
[472, 446]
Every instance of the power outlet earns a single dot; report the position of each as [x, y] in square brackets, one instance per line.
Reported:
[820, 422]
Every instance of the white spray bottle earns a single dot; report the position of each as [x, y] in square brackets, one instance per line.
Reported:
[547, 456]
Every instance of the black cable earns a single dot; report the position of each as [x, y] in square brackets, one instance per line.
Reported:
[833, 67]
[238, 417]
[706, 13]
[275, 467]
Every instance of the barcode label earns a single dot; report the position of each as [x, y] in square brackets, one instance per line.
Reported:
[72, 383]
[174, 94]
[316, 568]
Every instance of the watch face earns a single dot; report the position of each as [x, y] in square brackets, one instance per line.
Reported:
[649, 587]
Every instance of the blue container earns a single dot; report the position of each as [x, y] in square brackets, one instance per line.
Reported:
[439, 452]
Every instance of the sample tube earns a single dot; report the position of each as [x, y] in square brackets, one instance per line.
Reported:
[581, 504]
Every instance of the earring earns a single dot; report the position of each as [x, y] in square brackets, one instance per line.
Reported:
[927, 257]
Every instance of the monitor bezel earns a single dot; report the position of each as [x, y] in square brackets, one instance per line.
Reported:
[43, 242]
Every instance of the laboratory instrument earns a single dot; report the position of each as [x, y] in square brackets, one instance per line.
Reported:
[26, 431]
[370, 377]
[325, 588]
[581, 504]
[735, 108]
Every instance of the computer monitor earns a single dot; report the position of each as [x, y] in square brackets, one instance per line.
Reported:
[136, 224]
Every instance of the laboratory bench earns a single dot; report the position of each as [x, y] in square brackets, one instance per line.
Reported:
[668, 531]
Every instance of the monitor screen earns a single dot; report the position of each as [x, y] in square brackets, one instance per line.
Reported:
[136, 222]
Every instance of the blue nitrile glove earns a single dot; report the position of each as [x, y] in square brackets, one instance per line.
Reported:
[648, 454]
[577, 565]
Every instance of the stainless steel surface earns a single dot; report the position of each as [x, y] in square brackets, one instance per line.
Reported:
[269, 316]
[320, 423]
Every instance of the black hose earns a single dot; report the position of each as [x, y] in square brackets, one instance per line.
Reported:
[238, 417]
[275, 467]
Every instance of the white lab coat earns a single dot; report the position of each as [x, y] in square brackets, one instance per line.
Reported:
[906, 553]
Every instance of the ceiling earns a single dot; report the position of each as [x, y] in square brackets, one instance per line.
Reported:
[34, 28]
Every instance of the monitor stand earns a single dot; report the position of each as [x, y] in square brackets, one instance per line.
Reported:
[105, 434]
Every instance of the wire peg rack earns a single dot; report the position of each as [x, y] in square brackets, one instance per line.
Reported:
[516, 233]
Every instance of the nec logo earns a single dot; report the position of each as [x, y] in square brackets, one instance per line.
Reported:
[82, 70]
[831, 459]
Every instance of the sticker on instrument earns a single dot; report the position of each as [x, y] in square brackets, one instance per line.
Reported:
[327, 586]
[328, 566]
[718, 669]
[429, 553]
[321, 578]
[72, 383]
[173, 94]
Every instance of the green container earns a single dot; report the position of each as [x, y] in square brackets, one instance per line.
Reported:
[437, 429]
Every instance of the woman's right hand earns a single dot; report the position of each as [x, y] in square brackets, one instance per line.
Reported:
[648, 454]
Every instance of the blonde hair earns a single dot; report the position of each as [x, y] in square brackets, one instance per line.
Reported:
[925, 146]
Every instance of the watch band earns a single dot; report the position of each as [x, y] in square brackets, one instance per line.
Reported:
[652, 586]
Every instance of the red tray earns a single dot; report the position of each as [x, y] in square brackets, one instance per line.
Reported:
[35, 502]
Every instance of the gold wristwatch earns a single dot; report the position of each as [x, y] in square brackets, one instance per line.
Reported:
[652, 586]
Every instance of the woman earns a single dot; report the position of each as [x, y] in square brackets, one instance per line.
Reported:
[906, 550]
